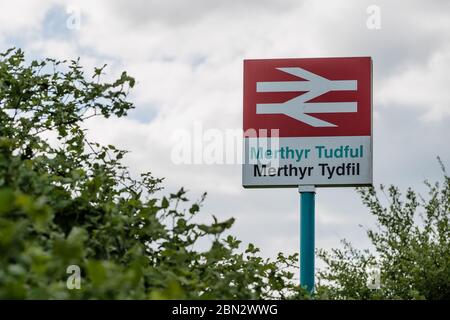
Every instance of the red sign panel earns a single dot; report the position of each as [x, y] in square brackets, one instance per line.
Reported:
[309, 97]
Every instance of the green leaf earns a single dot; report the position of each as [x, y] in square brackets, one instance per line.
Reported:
[164, 203]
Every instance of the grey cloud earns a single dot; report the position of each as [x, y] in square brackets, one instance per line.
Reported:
[406, 36]
[181, 12]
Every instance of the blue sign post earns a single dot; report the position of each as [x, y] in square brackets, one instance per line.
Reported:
[307, 236]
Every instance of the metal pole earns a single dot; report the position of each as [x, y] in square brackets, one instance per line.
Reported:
[307, 203]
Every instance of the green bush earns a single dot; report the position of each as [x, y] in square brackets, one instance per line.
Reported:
[411, 249]
[75, 203]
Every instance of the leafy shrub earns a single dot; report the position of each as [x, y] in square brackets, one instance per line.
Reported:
[75, 203]
[412, 249]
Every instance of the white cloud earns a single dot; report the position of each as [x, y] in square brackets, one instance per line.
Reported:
[187, 59]
[20, 16]
[424, 87]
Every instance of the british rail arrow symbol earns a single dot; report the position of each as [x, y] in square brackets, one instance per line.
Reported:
[299, 108]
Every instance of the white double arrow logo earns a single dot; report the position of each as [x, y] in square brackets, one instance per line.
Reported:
[298, 107]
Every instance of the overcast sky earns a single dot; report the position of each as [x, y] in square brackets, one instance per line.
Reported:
[187, 57]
